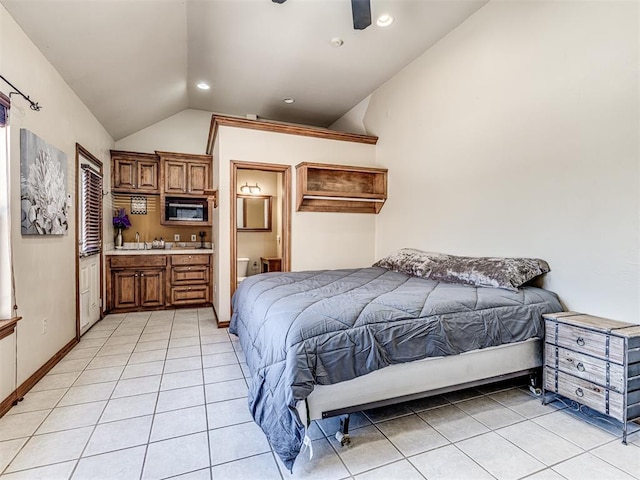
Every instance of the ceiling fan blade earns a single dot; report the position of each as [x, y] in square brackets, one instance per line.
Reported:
[361, 13]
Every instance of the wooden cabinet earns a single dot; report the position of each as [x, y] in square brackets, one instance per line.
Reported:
[594, 362]
[134, 172]
[153, 282]
[136, 282]
[190, 280]
[186, 174]
[271, 264]
[340, 188]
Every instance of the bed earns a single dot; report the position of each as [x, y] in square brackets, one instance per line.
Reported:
[328, 342]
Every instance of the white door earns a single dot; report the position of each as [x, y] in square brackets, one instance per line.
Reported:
[89, 291]
[89, 239]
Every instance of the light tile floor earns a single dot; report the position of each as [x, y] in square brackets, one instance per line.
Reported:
[163, 395]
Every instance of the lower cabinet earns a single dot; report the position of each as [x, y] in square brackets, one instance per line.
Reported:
[154, 282]
[190, 279]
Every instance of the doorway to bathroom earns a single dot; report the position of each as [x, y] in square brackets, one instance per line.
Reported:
[260, 219]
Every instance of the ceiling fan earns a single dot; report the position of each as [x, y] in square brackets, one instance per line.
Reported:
[361, 10]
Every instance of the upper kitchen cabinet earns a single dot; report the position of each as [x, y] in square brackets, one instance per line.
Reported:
[134, 172]
[186, 174]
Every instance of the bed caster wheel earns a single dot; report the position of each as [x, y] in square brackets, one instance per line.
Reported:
[536, 391]
[344, 439]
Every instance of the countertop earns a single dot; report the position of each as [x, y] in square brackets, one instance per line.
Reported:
[160, 251]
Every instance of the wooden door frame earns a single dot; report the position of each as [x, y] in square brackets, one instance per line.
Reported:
[80, 150]
[286, 212]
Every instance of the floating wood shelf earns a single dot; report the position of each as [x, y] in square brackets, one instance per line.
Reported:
[340, 188]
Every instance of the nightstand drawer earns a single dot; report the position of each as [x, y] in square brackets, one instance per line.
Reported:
[586, 341]
[588, 368]
[587, 393]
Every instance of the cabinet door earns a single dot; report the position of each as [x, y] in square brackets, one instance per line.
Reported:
[175, 177]
[125, 293]
[152, 288]
[124, 174]
[148, 177]
[198, 177]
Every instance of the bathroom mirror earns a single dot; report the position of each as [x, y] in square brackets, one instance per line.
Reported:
[253, 213]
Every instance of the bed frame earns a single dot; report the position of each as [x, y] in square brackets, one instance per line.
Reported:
[423, 378]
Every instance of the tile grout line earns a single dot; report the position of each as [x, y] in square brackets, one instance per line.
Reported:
[95, 426]
[33, 434]
[204, 395]
[155, 407]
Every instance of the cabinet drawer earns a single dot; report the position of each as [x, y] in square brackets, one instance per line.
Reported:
[585, 341]
[187, 295]
[196, 274]
[586, 367]
[191, 259]
[587, 393]
[138, 261]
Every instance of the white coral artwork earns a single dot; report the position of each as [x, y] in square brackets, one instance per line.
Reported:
[43, 187]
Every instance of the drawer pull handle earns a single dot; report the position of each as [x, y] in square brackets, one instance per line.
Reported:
[596, 389]
[580, 341]
[570, 360]
[579, 392]
[580, 367]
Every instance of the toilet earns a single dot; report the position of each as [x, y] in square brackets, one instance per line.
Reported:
[242, 267]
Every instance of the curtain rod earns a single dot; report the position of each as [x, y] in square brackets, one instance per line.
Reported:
[33, 105]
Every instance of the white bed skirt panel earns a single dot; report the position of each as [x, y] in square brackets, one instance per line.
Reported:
[429, 374]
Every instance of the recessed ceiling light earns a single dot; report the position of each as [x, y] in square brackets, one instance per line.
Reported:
[203, 86]
[288, 100]
[384, 20]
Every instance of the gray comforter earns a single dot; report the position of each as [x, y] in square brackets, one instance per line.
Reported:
[323, 327]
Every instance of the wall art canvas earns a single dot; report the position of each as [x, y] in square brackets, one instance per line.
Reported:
[43, 187]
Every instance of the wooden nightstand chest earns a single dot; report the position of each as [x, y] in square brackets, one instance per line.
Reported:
[595, 362]
[271, 264]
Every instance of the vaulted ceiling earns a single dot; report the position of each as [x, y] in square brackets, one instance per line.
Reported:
[136, 62]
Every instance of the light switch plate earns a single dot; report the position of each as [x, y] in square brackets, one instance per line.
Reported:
[176, 237]
[193, 238]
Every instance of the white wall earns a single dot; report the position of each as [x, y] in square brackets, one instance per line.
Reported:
[517, 135]
[353, 120]
[318, 240]
[184, 132]
[44, 265]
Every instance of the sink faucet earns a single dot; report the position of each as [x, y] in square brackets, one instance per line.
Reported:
[137, 241]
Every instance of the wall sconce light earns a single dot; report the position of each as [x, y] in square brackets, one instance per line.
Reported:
[246, 188]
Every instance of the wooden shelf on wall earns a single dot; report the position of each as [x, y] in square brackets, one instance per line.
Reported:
[340, 188]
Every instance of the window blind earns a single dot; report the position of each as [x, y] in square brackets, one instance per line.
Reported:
[91, 212]
[5, 104]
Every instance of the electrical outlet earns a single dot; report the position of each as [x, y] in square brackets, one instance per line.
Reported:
[44, 326]
[193, 237]
[176, 237]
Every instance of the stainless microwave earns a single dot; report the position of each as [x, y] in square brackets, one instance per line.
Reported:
[186, 209]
